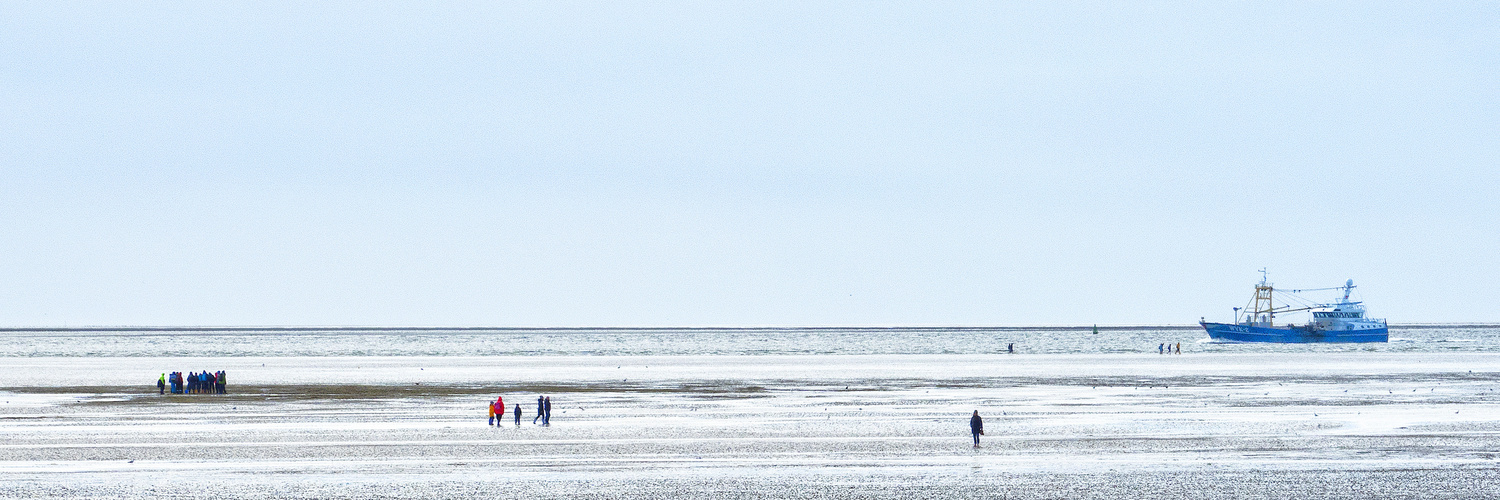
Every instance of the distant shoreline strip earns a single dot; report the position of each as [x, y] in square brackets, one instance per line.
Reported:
[505, 329]
[84, 329]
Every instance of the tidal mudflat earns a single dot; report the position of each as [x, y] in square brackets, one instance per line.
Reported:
[1199, 425]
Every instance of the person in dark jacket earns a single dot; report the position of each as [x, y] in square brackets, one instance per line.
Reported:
[518, 414]
[540, 410]
[976, 427]
[547, 412]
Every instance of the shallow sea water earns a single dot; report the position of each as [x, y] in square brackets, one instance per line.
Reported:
[690, 341]
[760, 413]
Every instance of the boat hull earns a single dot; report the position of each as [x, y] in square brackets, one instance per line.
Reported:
[1245, 333]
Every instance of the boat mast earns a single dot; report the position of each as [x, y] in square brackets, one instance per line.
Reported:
[1263, 304]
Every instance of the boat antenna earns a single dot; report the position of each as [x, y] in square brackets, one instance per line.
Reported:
[1262, 275]
[1348, 287]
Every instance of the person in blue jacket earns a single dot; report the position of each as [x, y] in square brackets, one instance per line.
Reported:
[976, 427]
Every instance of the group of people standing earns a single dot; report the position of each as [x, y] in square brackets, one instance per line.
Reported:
[1166, 348]
[543, 411]
[193, 383]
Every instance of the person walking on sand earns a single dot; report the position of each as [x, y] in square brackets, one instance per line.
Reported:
[518, 414]
[161, 384]
[492, 413]
[976, 427]
[540, 410]
[499, 406]
[547, 408]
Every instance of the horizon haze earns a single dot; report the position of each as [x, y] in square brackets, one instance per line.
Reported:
[765, 164]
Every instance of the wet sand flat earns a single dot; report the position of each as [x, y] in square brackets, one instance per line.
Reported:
[1329, 425]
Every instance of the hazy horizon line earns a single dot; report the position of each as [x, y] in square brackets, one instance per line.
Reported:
[430, 328]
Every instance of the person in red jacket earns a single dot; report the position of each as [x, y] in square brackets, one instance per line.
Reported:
[499, 406]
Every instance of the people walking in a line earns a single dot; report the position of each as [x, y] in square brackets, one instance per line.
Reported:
[976, 427]
[547, 411]
[541, 409]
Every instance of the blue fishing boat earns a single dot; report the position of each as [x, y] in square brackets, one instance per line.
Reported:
[1342, 321]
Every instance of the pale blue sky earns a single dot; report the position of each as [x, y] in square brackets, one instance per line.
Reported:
[714, 163]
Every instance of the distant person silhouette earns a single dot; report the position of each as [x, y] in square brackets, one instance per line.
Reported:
[976, 427]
